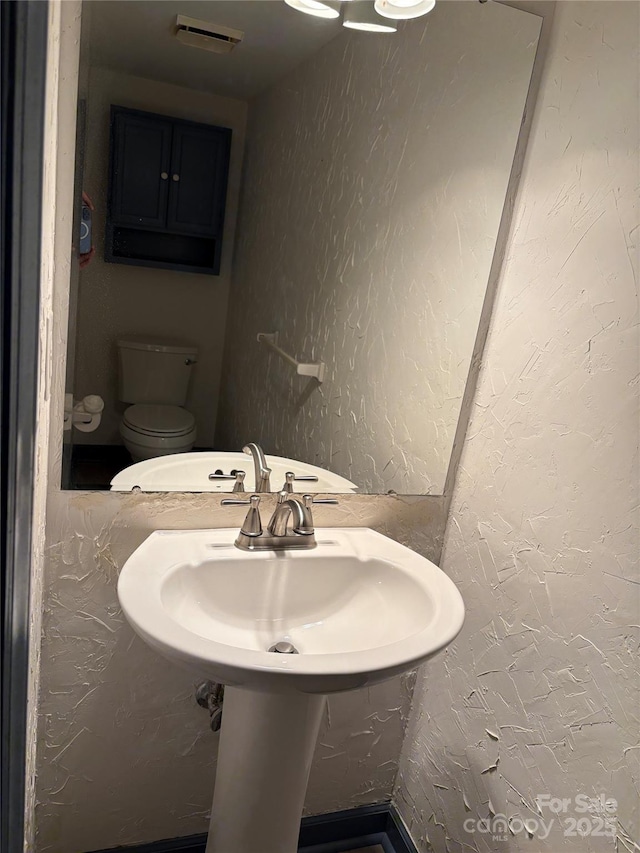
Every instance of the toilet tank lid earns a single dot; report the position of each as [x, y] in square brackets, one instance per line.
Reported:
[153, 344]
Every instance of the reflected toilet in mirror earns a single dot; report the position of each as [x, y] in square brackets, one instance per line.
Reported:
[154, 378]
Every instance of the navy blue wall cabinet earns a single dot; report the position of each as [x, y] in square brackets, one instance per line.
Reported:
[167, 192]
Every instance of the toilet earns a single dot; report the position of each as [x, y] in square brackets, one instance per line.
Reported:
[153, 375]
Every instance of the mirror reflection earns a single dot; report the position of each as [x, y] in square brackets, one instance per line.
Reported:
[285, 232]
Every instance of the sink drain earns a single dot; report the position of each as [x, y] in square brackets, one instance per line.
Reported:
[284, 648]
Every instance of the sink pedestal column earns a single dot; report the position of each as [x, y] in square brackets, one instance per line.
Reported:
[267, 743]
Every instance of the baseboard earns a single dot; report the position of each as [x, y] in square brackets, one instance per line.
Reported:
[398, 834]
[335, 832]
[346, 830]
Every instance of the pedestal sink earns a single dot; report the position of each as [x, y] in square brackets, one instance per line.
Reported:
[356, 609]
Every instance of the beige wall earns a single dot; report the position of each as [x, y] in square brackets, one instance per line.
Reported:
[374, 183]
[539, 694]
[116, 299]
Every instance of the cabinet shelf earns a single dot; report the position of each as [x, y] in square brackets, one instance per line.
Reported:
[162, 250]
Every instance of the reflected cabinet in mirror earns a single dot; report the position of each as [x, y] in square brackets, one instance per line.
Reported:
[285, 234]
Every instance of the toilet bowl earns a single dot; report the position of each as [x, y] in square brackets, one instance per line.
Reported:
[150, 430]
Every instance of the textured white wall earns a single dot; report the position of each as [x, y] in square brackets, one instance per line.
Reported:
[374, 182]
[539, 694]
[117, 299]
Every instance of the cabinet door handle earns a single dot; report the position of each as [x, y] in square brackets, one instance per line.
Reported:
[176, 177]
[164, 176]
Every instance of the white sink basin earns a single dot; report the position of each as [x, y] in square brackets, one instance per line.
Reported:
[189, 472]
[359, 608]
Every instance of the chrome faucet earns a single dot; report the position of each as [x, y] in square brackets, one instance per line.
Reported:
[263, 472]
[293, 509]
[279, 535]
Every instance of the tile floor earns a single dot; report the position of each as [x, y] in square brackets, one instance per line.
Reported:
[94, 466]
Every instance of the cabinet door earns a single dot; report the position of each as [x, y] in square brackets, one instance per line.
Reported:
[141, 156]
[198, 179]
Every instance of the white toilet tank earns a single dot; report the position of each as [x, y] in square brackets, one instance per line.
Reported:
[154, 371]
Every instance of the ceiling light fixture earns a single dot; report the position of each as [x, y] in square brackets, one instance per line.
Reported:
[360, 15]
[403, 9]
[324, 9]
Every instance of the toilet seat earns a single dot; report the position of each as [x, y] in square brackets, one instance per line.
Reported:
[159, 420]
[157, 430]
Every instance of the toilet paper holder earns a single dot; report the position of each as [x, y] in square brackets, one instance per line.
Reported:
[85, 415]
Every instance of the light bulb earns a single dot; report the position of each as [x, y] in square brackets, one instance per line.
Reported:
[402, 9]
[359, 15]
[317, 8]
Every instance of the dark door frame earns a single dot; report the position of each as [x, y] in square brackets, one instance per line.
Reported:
[23, 34]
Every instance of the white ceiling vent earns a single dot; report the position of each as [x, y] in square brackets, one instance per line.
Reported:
[207, 36]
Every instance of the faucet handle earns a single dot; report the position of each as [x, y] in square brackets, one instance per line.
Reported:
[290, 477]
[309, 500]
[306, 526]
[252, 525]
[238, 476]
[253, 500]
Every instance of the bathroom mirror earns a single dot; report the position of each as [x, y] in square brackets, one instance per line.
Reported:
[362, 196]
